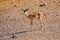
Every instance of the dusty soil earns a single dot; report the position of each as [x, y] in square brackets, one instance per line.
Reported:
[14, 25]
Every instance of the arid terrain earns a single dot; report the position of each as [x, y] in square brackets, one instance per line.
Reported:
[14, 25]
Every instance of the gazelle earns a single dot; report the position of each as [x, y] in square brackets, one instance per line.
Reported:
[38, 15]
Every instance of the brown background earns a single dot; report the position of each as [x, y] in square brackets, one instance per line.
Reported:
[13, 20]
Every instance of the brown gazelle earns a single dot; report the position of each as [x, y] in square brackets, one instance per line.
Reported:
[38, 15]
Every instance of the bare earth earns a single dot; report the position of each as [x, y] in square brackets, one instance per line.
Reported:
[14, 25]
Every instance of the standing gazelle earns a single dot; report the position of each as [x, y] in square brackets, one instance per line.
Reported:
[38, 15]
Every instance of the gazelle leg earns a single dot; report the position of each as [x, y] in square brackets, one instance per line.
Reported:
[31, 22]
[41, 19]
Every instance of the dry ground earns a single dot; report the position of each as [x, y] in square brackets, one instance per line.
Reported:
[14, 25]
